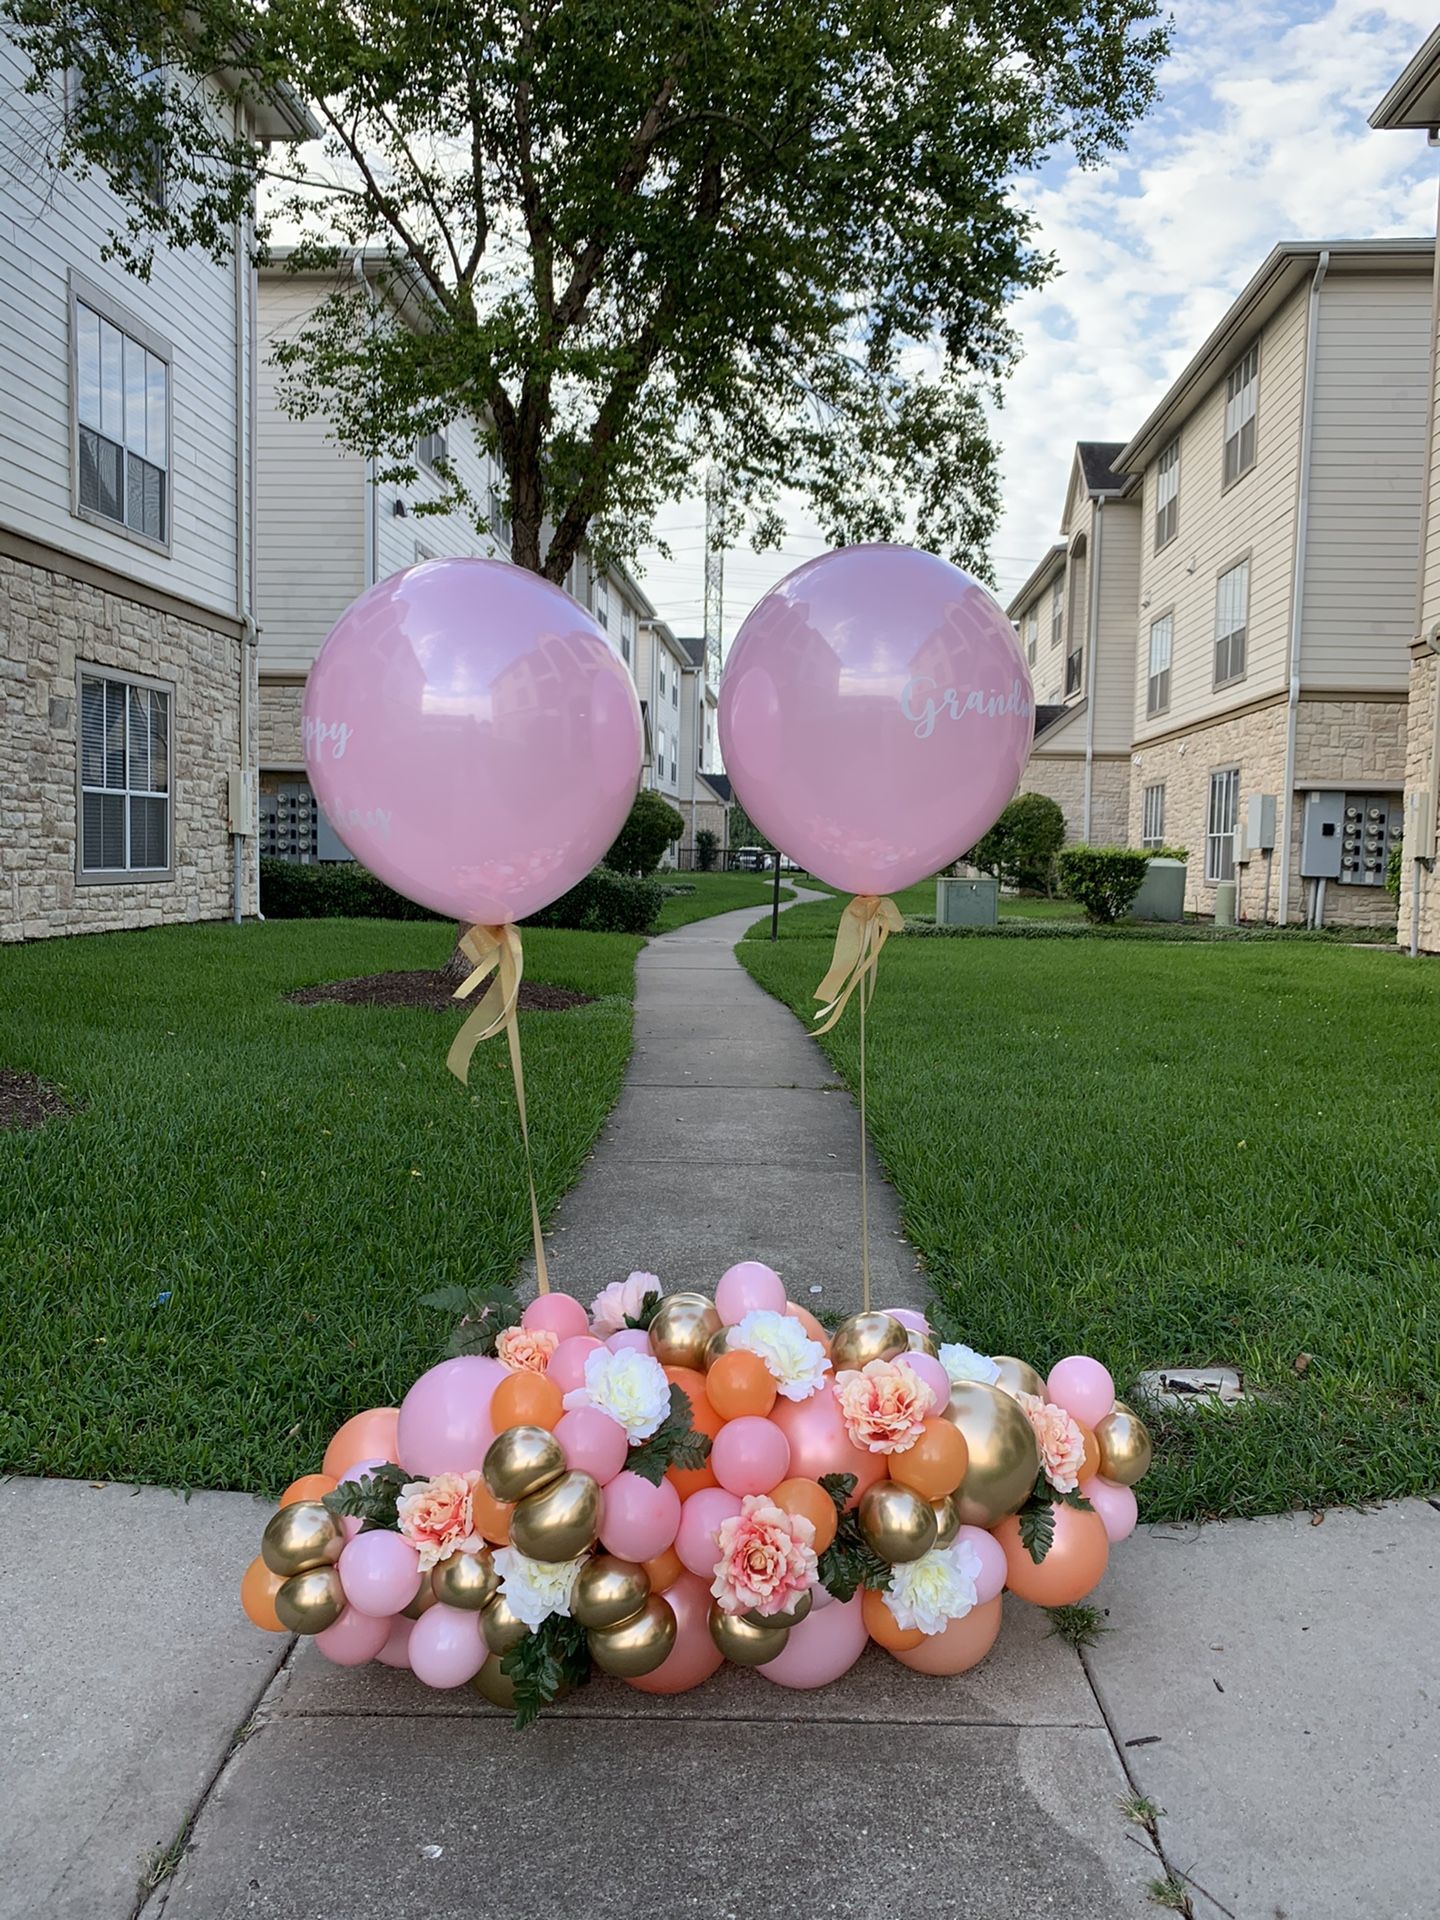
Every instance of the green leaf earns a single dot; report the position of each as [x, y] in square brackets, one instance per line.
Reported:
[1037, 1528]
[552, 1656]
[372, 1498]
[1074, 1499]
[849, 1561]
[839, 1486]
[447, 1299]
[649, 1307]
[674, 1443]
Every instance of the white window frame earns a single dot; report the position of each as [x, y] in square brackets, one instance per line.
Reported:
[662, 676]
[1157, 683]
[139, 72]
[1032, 634]
[136, 683]
[1232, 623]
[432, 448]
[95, 300]
[1167, 494]
[1242, 417]
[602, 602]
[627, 632]
[1223, 800]
[675, 683]
[1057, 611]
[1152, 819]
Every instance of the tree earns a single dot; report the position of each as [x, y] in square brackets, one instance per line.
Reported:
[640, 234]
[744, 832]
[652, 826]
[1022, 845]
[707, 845]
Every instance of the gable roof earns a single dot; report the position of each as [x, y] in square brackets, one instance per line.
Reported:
[694, 645]
[1414, 100]
[1037, 579]
[1097, 463]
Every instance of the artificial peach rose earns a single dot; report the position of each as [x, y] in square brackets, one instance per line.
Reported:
[767, 1558]
[436, 1516]
[1062, 1445]
[526, 1349]
[884, 1405]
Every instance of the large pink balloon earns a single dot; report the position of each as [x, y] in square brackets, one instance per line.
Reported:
[473, 737]
[821, 1648]
[445, 1417]
[694, 1656]
[446, 1647]
[876, 715]
[820, 1444]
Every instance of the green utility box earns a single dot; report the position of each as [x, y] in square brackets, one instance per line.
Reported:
[1162, 892]
[967, 903]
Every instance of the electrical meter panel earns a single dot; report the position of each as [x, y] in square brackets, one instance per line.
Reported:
[1348, 836]
[289, 821]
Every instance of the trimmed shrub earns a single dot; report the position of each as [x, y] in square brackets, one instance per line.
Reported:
[333, 889]
[1021, 846]
[707, 845]
[1392, 869]
[605, 902]
[652, 826]
[1104, 880]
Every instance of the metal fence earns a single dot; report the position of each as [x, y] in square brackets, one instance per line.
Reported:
[729, 860]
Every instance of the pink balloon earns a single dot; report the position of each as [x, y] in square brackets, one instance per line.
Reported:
[567, 1363]
[639, 1521]
[353, 1639]
[694, 1656]
[821, 1597]
[875, 716]
[473, 737]
[593, 1443]
[1114, 1504]
[629, 1340]
[380, 1572]
[446, 1646]
[358, 1472]
[927, 1368]
[821, 1648]
[445, 1417]
[1082, 1387]
[700, 1520]
[396, 1650]
[748, 1287]
[557, 1313]
[749, 1455]
[991, 1581]
[909, 1317]
[819, 1443]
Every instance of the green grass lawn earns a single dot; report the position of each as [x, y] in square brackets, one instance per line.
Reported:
[293, 1178]
[1184, 1155]
[715, 893]
[820, 918]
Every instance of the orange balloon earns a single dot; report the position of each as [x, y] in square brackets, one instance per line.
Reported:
[688, 1480]
[811, 1325]
[740, 1383]
[935, 1465]
[811, 1499]
[258, 1589]
[492, 1516]
[960, 1646]
[664, 1570]
[311, 1486]
[365, 1436]
[882, 1627]
[1092, 1453]
[525, 1399]
[1073, 1567]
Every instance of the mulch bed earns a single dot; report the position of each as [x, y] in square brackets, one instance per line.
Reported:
[27, 1101]
[430, 990]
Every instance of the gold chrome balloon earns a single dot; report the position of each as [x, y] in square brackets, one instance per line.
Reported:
[560, 1522]
[301, 1536]
[1017, 1376]
[744, 1643]
[500, 1626]
[717, 1344]
[865, 1337]
[466, 1580]
[918, 1341]
[897, 1524]
[1004, 1454]
[1125, 1446]
[311, 1601]
[684, 1325]
[791, 1617]
[947, 1520]
[522, 1461]
[422, 1603]
[609, 1590]
[638, 1645]
[493, 1685]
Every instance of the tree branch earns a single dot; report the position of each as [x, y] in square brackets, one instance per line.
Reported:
[385, 203]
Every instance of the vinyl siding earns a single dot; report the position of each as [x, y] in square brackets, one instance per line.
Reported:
[1430, 593]
[1114, 655]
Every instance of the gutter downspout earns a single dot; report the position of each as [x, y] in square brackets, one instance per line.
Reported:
[1425, 862]
[372, 499]
[1297, 584]
[1092, 647]
[244, 540]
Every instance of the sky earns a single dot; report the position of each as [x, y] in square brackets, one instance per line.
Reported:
[1259, 136]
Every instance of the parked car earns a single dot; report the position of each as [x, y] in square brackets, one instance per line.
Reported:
[751, 859]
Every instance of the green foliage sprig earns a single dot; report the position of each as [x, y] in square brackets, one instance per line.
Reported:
[373, 1498]
[849, 1562]
[1037, 1517]
[485, 1310]
[674, 1443]
[554, 1656]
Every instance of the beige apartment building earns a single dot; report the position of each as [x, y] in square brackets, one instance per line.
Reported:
[1414, 102]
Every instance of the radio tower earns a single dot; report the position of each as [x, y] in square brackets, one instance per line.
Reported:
[715, 532]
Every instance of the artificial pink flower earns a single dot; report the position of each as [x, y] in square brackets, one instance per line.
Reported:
[884, 1405]
[437, 1517]
[767, 1558]
[526, 1349]
[622, 1300]
[1062, 1446]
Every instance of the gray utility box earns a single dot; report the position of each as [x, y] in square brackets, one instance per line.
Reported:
[1162, 892]
[1348, 836]
[967, 903]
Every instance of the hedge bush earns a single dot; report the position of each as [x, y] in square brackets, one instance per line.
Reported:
[333, 889]
[652, 826]
[707, 846]
[605, 902]
[1022, 845]
[1104, 880]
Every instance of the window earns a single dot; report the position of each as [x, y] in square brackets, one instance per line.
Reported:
[1220, 830]
[674, 778]
[1074, 669]
[432, 449]
[122, 423]
[1242, 392]
[660, 753]
[124, 776]
[674, 686]
[1057, 611]
[422, 554]
[136, 108]
[1232, 612]
[500, 526]
[627, 631]
[1157, 692]
[662, 676]
[602, 602]
[1152, 826]
[1032, 634]
[1167, 494]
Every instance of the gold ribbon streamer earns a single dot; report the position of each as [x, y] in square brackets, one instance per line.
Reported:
[498, 957]
[865, 926]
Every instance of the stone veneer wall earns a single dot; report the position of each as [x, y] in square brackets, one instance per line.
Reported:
[49, 625]
[1420, 745]
[1061, 777]
[281, 744]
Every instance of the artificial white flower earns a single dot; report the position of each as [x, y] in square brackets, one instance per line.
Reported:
[534, 1589]
[622, 1300]
[964, 1363]
[937, 1588]
[631, 1387]
[797, 1363]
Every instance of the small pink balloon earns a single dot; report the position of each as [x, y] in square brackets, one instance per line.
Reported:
[700, 1520]
[557, 1313]
[639, 1521]
[927, 1368]
[353, 1639]
[991, 1580]
[821, 1597]
[748, 1287]
[825, 1645]
[358, 1472]
[567, 1363]
[1083, 1388]
[446, 1646]
[396, 1650]
[694, 1656]
[749, 1455]
[1114, 1504]
[629, 1340]
[380, 1572]
[593, 1443]
[909, 1317]
[445, 1417]
[819, 1443]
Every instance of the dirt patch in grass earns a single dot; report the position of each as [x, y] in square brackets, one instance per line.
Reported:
[28, 1101]
[428, 989]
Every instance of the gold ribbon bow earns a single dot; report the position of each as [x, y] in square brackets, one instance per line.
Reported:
[497, 952]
